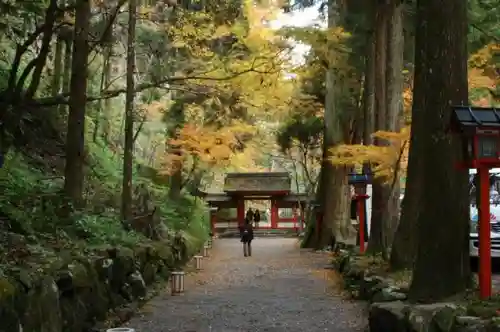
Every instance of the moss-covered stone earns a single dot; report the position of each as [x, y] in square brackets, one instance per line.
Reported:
[137, 285]
[149, 273]
[445, 315]
[73, 292]
[9, 316]
[42, 313]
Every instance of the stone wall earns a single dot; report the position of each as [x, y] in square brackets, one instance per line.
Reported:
[390, 312]
[71, 292]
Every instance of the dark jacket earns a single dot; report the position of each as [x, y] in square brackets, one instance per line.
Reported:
[249, 215]
[256, 216]
[246, 232]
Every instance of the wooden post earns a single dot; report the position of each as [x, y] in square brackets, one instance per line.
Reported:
[240, 211]
[198, 262]
[177, 282]
[274, 214]
[361, 204]
[205, 251]
[484, 233]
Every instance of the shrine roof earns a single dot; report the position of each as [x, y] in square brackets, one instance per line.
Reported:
[258, 175]
[224, 197]
[262, 183]
[465, 116]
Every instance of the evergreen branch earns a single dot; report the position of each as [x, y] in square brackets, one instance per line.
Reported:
[484, 32]
[63, 98]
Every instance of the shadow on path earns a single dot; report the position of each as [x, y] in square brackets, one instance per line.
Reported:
[280, 288]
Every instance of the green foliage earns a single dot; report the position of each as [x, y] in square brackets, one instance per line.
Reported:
[31, 203]
[25, 191]
[105, 229]
[484, 26]
[306, 130]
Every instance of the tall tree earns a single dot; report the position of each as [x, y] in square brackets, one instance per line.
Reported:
[333, 188]
[75, 139]
[440, 81]
[129, 115]
[388, 80]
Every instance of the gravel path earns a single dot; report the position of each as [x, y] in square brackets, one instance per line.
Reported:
[280, 288]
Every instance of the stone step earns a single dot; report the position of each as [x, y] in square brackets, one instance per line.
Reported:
[260, 233]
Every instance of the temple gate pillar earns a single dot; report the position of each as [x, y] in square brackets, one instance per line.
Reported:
[274, 214]
[240, 211]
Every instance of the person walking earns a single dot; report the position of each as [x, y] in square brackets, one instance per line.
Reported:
[249, 215]
[247, 237]
[256, 217]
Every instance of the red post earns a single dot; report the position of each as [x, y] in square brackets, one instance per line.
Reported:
[240, 211]
[360, 201]
[213, 220]
[484, 233]
[274, 214]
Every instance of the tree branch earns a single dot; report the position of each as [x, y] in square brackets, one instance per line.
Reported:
[475, 26]
[63, 98]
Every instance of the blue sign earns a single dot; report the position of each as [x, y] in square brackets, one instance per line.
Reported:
[359, 178]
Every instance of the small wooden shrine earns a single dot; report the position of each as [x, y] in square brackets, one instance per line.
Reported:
[273, 186]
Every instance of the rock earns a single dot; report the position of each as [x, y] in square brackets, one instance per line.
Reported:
[72, 292]
[444, 317]
[64, 280]
[469, 324]
[165, 254]
[494, 325]
[16, 240]
[104, 268]
[123, 265]
[126, 312]
[23, 276]
[437, 316]
[74, 313]
[369, 286]
[137, 285]
[149, 273]
[467, 320]
[341, 260]
[42, 313]
[387, 317]
[388, 294]
[9, 316]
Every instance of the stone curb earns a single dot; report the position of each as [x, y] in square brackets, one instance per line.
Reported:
[390, 312]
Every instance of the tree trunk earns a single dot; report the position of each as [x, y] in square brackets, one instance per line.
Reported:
[394, 91]
[129, 116]
[368, 104]
[381, 194]
[58, 66]
[75, 137]
[335, 191]
[106, 110]
[443, 222]
[369, 92]
[388, 98]
[404, 246]
[66, 79]
[177, 121]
